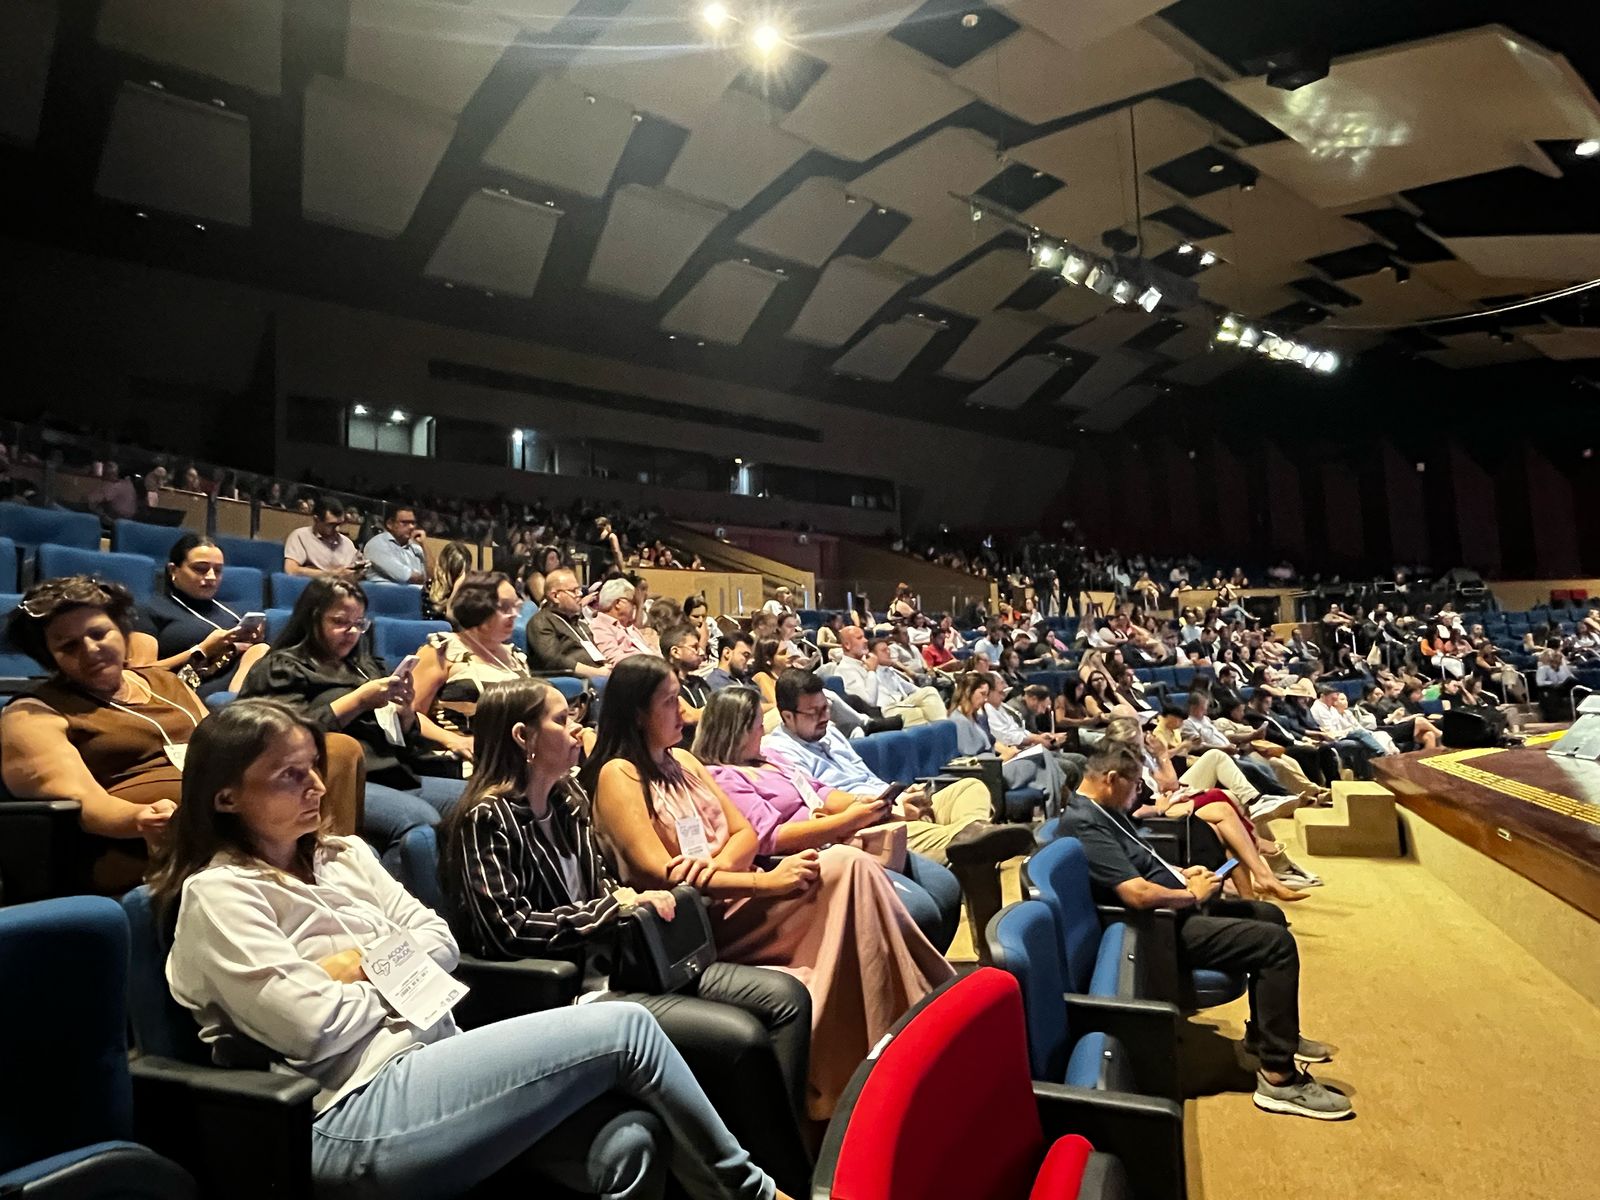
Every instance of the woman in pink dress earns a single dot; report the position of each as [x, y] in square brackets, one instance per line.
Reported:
[830, 917]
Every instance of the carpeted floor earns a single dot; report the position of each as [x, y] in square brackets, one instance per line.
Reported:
[1472, 1067]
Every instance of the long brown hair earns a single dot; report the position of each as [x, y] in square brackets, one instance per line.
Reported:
[724, 723]
[220, 751]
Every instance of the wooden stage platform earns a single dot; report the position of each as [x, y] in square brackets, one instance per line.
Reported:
[1537, 815]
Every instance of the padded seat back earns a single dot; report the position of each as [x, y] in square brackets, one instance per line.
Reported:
[874, 751]
[14, 664]
[161, 1026]
[32, 527]
[264, 556]
[394, 638]
[63, 1052]
[402, 600]
[1059, 872]
[140, 537]
[242, 589]
[134, 571]
[286, 588]
[1023, 942]
[8, 565]
[960, 1054]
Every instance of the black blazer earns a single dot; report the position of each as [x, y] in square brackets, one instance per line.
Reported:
[554, 641]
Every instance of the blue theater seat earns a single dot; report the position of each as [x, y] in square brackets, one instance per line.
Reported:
[242, 589]
[30, 528]
[8, 565]
[140, 537]
[393, 599]
[286, 588]
[14, 664]
[264, 556]
[134, 571]
[393, 638]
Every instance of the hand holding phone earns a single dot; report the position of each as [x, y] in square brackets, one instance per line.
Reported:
[406, 665]
[252, 623]
[1226, 868]
[890, 793]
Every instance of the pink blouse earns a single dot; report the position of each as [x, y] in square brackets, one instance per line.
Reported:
[769, 796]
[687, 796]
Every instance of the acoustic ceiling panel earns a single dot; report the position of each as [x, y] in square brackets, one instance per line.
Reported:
[887, 350]
[1413, 114]
[1105, 378]
[1206, 368]
[992, 341]
[808, 224]
[1071, 305]
[1110, 329]
[1565, 343]
[1274, 230]
[837, 31]
[1479, 350]
[497, 243]
[27, 41]
[164, 152]
[1463, 281]
[437, 54]
[1083, 21]
[1563, 256]
[1198, 326]
[655, 55]
[649, 235]
[1017, 384]
[1114, 413]
[847, 295]
[1383, 300]
[1034, 78]
[733, 151]
[863, 106]
[949, 160]
[565, 137]
[982, 284]
[368, 155]
[531, 16]
[236, 41]
[723, 305]
[934, 240]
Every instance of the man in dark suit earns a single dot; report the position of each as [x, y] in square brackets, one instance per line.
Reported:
[559, 638]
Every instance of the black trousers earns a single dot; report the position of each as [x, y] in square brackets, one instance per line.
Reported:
[1320, 762]
[746, 1035]
[1252, 937]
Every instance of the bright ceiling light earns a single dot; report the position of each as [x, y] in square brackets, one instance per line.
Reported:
[397, 416]
[359, 410]
[1044, 254]
[1099, 280]
[1327, 362]
[1074, 267]
[1186, 248]
[1122, 291]
[1297, 352]
[1207, 258]
[715, 16]
[1587, 148]
[766, 39]
[1149, 298]
[1229, 329]
[1248, 337]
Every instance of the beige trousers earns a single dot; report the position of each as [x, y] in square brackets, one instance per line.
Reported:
[954, 808]
[919, 708]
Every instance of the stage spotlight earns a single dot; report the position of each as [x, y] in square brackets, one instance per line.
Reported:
[1186, 248]
[1326, 363]
[1100, 280]
[1122, 291]
[1249, 336]
[1587, 148]
[1229, 329]
[977, 213]
[1074, 268]
[1207, 258]
[1149, 298]
[1297, 352]
[359, 410]
[1044, 255]
[397, 416]
[766, 39]
[715, 16]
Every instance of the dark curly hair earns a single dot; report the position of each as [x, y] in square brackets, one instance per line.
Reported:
[44, 602]
[477, 598]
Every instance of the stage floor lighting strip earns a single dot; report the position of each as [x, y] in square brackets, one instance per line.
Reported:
[1460, 765]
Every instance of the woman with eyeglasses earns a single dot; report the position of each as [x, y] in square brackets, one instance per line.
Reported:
[110, 735]
[196, 634]
[456, 667]
[322, 666]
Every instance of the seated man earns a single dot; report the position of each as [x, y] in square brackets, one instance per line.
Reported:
[1227, 935]
[733, 663]
[396, 553]
[1200, 731]
[869, 676]
[1332, 714]
[614, 631]
[950, 827]
[320, 548]
[559, 637]
[782, 601]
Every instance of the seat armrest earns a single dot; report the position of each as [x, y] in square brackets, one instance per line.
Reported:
[241, 1133]
[1145, 1133]
[1158, 948]
[513, 988]
[40, 850]
[1148, 1031]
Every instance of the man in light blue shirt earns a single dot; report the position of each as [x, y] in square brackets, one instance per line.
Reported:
[396, 554]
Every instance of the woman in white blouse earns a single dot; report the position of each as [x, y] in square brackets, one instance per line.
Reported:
[277, 925]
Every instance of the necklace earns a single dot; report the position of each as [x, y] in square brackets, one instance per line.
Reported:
[505, 661]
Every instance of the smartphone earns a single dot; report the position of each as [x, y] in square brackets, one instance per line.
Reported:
[407, 665]
[252, 622]
[889, 793]
[1226, 868]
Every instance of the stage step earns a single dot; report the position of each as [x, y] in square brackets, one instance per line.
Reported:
[1361, 823]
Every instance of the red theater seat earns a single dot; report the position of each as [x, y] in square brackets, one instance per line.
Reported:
[946, 1108]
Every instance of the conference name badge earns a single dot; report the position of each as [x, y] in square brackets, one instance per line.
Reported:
[692, 838]
[177, 754]
[410, 982]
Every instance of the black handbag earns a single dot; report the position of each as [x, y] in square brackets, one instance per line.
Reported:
[656, 956]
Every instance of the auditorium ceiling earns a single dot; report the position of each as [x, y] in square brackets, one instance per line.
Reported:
[849, 217]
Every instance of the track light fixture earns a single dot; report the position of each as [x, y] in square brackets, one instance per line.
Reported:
[1234, 330]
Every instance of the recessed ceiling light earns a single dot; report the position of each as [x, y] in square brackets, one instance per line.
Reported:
[715, 15]
[1217, 168]
[1587, 148]
[969, 20]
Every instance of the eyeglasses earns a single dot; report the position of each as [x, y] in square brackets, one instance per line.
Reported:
[361, 626]
[813, 713]
[507, 608]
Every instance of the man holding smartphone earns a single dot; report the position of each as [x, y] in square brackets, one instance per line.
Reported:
[1228, 935]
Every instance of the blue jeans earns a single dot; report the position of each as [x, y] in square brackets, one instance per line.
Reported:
[932, 895]
[390, 813]
[441, 1119]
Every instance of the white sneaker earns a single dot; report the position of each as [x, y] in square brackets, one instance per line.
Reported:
[1265, 808]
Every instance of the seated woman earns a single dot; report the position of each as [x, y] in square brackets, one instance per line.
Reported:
[451, 567]
[831, 917]
[322, 666]
[1010, 671]
[971, 717]
[196, 634]
[698, 613]
[274, 922]
[456, 667]
[110, 736]
[524, 879]
[769, 661]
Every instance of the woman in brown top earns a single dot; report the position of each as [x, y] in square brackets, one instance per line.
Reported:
[111, 737]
